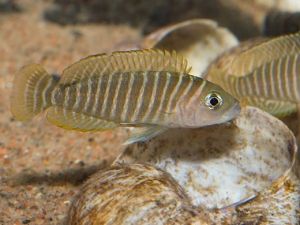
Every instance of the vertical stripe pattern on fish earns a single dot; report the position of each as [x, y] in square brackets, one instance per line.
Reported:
[274, 83]
[263, 74]
[252, 54]
[265, 52]
[152, 97]
[278, 79]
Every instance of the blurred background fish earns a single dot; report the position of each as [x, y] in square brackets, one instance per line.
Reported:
[265, 75]
[148, 88]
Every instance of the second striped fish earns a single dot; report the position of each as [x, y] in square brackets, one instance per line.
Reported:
[265, 75]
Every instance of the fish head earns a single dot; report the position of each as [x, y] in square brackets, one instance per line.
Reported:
[213, 106]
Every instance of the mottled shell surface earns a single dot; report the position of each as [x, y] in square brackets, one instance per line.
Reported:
[133, 194]
[221, 165]
[235, 173]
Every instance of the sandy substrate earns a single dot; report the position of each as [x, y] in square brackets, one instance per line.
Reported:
[41, 165]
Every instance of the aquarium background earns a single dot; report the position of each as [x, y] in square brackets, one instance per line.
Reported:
[41, 166]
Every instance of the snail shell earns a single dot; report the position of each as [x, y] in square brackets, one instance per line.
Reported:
[133, 194]
[200, 41]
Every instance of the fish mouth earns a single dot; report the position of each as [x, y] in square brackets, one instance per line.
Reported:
[232, 113]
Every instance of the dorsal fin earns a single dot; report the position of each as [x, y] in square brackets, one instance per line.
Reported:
[127, 61]
[264, 52]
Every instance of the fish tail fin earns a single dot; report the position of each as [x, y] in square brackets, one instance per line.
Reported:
[31, 93]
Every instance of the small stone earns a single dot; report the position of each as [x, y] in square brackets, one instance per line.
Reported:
[79, 162]
[26, 221]
[67, 202]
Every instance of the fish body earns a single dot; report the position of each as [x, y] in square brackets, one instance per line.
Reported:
[265, 75]
[140, 98]
[278, 79]
[98, 94]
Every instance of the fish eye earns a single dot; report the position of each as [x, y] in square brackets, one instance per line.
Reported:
[213, 100]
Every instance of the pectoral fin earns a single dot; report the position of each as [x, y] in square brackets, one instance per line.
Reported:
[70, 120]
[144, 134]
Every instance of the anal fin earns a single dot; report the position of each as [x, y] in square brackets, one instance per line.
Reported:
[144, 134]
[70, 120]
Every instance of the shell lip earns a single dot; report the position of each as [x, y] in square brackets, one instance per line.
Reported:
[152, 39]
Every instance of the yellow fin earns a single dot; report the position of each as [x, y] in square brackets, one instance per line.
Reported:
[70, 120]
[274, 107]
[264, 52]
[31, 92]
[127, 61]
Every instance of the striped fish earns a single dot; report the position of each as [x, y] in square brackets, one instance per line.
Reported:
[145, 88]
[273, 87]
[263, 74]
